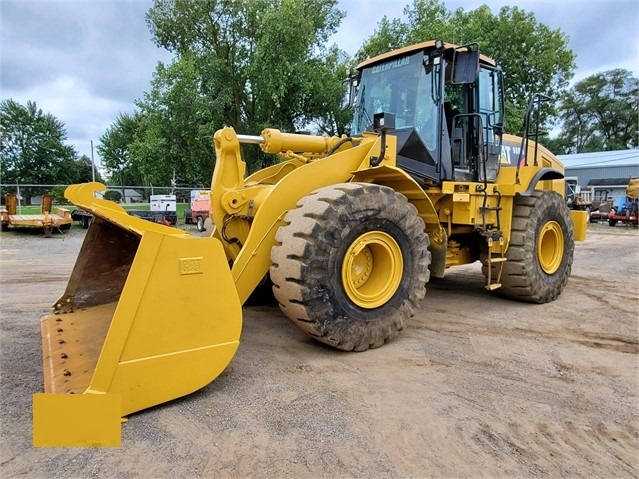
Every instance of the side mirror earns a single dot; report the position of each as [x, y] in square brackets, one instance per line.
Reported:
[383, 121]
[465, 64]
[349, 89]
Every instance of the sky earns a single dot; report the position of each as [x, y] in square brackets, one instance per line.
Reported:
[86, 61]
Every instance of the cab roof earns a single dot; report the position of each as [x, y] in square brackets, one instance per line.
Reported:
[413, 48]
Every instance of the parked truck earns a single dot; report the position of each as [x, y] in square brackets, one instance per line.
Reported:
[577, 197]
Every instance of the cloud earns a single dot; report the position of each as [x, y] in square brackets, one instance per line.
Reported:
[603, 34]
[82, 61]
[86, 61]
[107, 43]
[85, 115]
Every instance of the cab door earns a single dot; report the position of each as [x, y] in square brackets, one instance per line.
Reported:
[474, 114]
[490, 107]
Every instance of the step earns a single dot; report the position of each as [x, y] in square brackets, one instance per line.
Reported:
[497, 260]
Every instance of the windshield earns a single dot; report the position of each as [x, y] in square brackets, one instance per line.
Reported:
[400, 86]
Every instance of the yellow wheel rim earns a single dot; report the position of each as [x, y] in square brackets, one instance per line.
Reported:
[550, 247]
[372, 269]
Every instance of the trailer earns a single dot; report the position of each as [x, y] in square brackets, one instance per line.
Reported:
[628, 213]
[83, 217]
[200, 209]
[48, 221]
[163, 210]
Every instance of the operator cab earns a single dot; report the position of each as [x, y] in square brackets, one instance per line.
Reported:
[448, 107]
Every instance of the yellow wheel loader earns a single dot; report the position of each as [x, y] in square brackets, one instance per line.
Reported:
[348, 230]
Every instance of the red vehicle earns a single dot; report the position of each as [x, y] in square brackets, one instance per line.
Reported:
[627, 214]
[200, 210]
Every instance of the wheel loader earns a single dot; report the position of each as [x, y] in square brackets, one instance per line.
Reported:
[346, 230]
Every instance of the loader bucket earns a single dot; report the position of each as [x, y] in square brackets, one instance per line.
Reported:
[150, 312]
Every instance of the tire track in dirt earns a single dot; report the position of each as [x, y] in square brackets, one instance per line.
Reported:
[475, 385]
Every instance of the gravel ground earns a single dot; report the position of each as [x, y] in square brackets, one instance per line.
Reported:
[475, 386]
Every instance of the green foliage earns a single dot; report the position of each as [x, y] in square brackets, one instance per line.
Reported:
[599, 113]
[534, 58]
[248, 64]
[324, 108]
[175, 129]
[115, 150]
[113, 195]
[32, 149]
[85, 171]
[58, 195]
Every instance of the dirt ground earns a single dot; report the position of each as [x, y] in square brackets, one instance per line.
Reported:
[476, 386]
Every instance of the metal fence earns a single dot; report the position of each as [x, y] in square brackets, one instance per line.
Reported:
[31, 194]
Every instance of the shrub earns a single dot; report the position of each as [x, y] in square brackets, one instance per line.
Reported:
[113, 195]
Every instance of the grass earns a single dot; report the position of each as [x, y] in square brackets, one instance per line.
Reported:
[29, 210]
[180, 207]
[35, 210]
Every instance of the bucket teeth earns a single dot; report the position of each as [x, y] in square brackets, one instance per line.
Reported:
[71, 346]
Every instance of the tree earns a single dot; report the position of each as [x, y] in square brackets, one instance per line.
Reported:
[176, 126]
[86, 171]
[324, 107]
[78, 170]
[32, 149]
[113, 195]
[599, 113]
[115, 150]
[248, 64]
[534, 58]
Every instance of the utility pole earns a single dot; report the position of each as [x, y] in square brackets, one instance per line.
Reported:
[92, 163]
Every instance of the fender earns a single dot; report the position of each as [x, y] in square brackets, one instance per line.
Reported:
[403, 183]
[542, 175]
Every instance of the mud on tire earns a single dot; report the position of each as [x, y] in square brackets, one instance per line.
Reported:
[541, 249]
[325, 231]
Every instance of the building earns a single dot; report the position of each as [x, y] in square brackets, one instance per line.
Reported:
[607, 173]
[130, 195]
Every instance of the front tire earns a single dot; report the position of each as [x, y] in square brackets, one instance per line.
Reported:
[540, 253]
[351, 264]
[200, 224]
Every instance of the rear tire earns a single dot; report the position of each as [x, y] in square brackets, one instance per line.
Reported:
[540, 253]
[612, 222]
[351, 264]
[200, 224]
